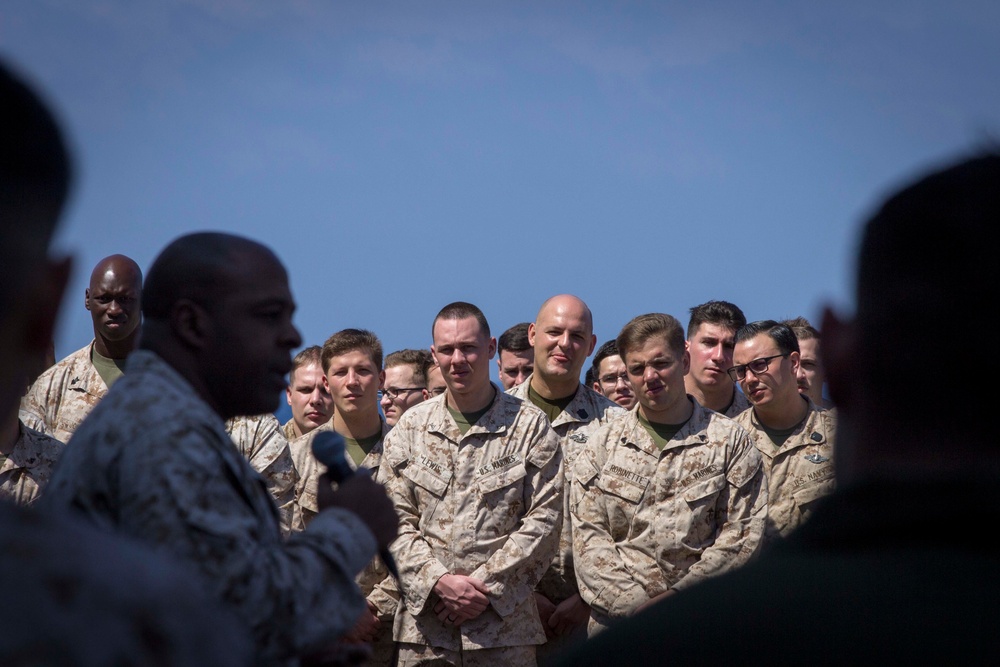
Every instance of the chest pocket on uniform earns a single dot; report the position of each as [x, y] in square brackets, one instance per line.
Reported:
[430, 486]
[704, 492]
[621, 503]
[503, 497]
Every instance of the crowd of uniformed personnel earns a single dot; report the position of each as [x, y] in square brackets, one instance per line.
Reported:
[486, 525]
[530, 515]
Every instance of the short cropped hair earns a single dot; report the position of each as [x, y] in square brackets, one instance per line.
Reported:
[608, 349]
[780, 333]
[721, 313]
[349, 340]
[419, 360]
[459, 310]
[802, 329]
[514, 339]
[310, 355]
[642, 328]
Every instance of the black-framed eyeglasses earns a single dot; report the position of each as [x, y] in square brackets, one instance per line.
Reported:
[758, 366]
[395, 392]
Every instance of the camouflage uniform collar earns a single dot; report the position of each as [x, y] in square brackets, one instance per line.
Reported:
[586, 405]
[496, 420]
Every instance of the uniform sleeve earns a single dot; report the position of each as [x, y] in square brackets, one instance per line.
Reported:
[295, 594]
[605, 582]
[419, 570]
[741, 514]
[513, 571]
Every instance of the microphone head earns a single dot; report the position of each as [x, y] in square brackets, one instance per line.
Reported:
[328, 448]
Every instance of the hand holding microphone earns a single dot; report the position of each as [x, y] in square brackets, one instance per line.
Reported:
[356, 492]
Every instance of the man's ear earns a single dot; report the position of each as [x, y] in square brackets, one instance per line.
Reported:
[191, 323]
[839, 340]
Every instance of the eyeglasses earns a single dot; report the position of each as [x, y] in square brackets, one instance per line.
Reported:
[437, 391]
[394, 392]
[758, 366]
[612, 380]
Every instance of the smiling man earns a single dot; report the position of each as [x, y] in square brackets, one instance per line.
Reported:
[794, 436]
[562, 337]
[666, 496]
[64, 394]
[476, 477]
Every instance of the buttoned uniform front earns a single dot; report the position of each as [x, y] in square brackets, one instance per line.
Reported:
[645, 521]
[378, 587]
[60, 398]
[487, 504]
[27, 469]
[154, 461]
[800, 472]
[585, 413]
[260, 440]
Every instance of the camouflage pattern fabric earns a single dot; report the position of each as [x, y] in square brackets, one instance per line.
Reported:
[57, 402]
[800, 472]
[26, 471]
[153, 461]
[487, 504]
[645, 521]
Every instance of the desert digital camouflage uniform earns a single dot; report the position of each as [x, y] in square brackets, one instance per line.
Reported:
[288, 429]
[154, 461]
[800, 472]
[63, 395]
[587, 412]
[376, 585]
[645, 521]
[260, 440]
[487, 504]
[739, 404]
[26, 470]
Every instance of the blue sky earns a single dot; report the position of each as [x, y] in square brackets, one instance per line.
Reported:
[399, 156]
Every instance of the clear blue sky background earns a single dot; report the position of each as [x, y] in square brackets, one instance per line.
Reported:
[401, 155]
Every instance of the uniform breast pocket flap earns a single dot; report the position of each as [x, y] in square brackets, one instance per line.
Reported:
[436, 483]
[705, 489]
[629, 489]
[502, 479]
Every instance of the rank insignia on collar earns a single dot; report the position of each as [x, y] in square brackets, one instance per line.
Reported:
[815, 437]
[815, 458]
[578, 437]
[581, 413]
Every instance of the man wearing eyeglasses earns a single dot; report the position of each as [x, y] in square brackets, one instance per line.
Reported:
[711, 337]
[794, 435]
[405, 383]
[352, 368]
[562, 337]
[610, 377]
[666, 496]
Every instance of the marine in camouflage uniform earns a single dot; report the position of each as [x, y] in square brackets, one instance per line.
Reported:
[645, 520]
[799, 472]
[260, 440]
[378, 587]
[585, 413]
[63, 395]
[169, 474]
[487, 504]
[26, 470]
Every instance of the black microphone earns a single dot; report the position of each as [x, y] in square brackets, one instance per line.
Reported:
[328, 448]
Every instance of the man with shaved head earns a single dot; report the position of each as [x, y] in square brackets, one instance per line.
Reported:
[62, 396]
[562, 337]
[153, 459]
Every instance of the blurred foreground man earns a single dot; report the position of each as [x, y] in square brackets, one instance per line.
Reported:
[154, 461]
[74, 596]
[891, 568]
[63, 395]
[476, 476]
